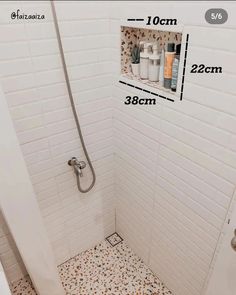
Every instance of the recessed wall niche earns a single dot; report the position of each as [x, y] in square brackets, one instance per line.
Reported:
[131, 36]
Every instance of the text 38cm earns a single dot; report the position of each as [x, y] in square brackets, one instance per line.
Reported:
[141, 101]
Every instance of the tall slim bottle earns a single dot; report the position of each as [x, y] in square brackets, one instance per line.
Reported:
[175, 68]
[162, 64]
[169, 58]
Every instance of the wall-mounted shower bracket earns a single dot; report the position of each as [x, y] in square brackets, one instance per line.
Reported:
[77, 165]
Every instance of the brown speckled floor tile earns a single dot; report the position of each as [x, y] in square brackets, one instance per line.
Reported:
[23, 287]
[103, 270]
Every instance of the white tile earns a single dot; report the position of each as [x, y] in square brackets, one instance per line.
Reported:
[8, 50]
[40, 30]
[47, 62]
[84, 43]
[16, 67]
[29, 123]
[44, 47]
[19, 98]
[49, 77]
[88, 27]
[82, 11]
[18, 83]
[32, 135]
[25, 111]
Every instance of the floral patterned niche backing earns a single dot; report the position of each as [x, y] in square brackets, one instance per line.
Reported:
[131, 36]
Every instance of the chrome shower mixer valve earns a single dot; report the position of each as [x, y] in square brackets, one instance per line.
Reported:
[77, 165]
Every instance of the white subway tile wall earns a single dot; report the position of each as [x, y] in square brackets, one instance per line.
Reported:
[175, 163]
[175, 169]
[34, 84]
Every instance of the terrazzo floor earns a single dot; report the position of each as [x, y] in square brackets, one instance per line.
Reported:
[103, 270]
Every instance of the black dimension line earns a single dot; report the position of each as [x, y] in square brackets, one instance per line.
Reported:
[182, 85]
[135, 19]
[185, 59]
[147, 91]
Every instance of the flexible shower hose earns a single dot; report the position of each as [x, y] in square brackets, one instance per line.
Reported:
[72, 104]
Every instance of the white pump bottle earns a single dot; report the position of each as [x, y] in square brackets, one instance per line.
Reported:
[154, 64]
[144, 58]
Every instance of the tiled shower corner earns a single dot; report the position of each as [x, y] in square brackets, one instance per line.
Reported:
[103, 270]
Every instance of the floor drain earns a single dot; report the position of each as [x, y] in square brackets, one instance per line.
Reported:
[114, 239]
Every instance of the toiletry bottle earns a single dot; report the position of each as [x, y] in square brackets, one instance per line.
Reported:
[175, 68]
[169, 58]
[154, 64]
[162, 64]
[144, 56]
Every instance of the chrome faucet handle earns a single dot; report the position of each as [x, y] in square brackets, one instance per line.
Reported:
[79, 166]
[73, 161]
[82, 164]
